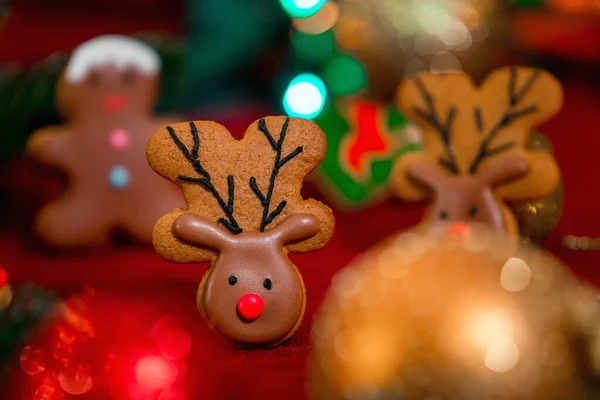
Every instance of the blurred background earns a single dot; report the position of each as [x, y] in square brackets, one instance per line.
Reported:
[234, 61]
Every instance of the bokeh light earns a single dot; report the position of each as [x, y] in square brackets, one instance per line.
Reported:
[313, 48]
[515, 275]
[33, 360]
[345, 75]
[305, 96]
[502, 355]
[48, 390]
[302, 8]
[6, 296]
[153, 373]
[172, 394]
[322, 21]
[75, 380]
[174, 343]
[3, 277]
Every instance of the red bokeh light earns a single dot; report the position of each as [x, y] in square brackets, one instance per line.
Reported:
[174, 343]
[33, 360]
[172, 394]
[75, 380]
[3, 277]
[153, 372]
[48, 390]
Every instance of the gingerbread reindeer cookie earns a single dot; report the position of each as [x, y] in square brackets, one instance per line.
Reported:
[475, 155]
[244, 215]
[107, 92]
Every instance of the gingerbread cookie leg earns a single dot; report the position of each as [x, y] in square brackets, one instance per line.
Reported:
[73, 221]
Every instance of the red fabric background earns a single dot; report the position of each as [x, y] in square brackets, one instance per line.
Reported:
[128, 278]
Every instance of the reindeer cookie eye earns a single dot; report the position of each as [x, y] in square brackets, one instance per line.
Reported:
[232, 280]
[473, 211]
[443, 214]
[268, 284]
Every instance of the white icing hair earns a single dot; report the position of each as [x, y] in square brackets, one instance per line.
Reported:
[120, 51]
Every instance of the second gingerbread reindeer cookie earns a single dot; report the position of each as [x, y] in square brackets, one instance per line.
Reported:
[245, 214]
[475, 155]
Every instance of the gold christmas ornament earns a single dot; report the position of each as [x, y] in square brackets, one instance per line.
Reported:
[537, 219]
[397, 38]
[463, 313]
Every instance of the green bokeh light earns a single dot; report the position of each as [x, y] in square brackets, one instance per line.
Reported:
[313, 48]
[345, 75]
[302, 8]
[305, 96]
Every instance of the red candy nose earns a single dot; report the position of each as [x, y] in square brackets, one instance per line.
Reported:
[459, 229]
[250, 306]
[114, 103]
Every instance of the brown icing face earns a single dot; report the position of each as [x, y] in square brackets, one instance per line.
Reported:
[102, 149]
[466, 197]
[252, 293]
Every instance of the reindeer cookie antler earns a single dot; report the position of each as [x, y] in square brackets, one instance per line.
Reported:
[475, 153]
[244, 214]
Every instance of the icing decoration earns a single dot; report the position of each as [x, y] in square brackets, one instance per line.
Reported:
[244, 215]
[119, 177]
[120, 51]
[251, 306]
[265, 199]
[251, 256]
[475, 152]
[114, 103]
[364, 138]
[118, 139]
[204, 179]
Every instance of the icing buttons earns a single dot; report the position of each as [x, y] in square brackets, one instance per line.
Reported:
[119, 139]
[119, 177]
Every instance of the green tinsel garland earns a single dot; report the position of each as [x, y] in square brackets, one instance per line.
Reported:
[30, 307]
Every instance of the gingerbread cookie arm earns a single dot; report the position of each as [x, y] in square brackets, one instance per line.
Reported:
[51, 145]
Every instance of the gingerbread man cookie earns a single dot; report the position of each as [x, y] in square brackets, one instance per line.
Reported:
[107, 92]
[475, 154]
[244, 215]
